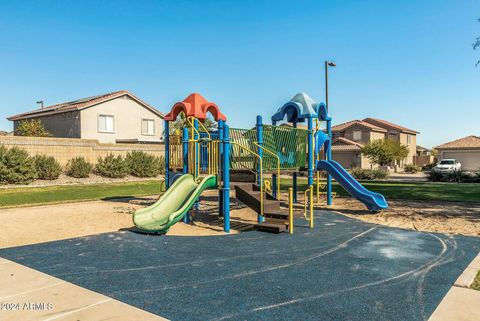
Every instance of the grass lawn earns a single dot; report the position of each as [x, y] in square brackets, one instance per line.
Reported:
[476, 283]
[57, 194]
[412, 191]
[71, 193]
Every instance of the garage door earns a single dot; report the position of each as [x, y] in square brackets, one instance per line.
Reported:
[470, 160]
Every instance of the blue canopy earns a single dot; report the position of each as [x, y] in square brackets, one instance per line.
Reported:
[297, 109]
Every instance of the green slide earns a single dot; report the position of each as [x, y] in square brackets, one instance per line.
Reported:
[173, 205]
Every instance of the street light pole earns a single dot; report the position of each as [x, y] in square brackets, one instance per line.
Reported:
[327, 64]
[329, 133]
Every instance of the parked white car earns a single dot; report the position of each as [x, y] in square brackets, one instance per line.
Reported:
[448, 165]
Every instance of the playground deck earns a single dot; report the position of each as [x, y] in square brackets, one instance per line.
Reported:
[343, 269]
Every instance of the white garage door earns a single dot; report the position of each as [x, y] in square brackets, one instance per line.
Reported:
[470, 159]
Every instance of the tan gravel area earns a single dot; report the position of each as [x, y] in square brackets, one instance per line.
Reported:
[38, 224]
[441, 217]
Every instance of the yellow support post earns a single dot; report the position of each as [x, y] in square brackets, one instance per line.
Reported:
[311, 206]
[290, 210]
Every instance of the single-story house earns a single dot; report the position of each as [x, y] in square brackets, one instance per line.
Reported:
[118, 117]
[466, 150]
[349, 138]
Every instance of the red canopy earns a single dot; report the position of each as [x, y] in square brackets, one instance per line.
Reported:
[197, 106]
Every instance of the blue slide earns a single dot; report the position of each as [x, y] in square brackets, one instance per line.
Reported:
[373, 201]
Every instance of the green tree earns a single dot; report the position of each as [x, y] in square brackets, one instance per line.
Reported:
[31, 128]
[176, 127]
[385, 151]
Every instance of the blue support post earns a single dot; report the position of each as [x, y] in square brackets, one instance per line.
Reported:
[197, 150]
[185, 159]
[295, 187]
[220, 174]
[328, 153]
[310, 151]
[167, 153]
[226, 180]
[259, 126]
[274, 185]
[197, 159]
[274, 123]
[295, 124]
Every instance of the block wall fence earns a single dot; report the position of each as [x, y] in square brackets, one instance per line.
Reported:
[64, 149]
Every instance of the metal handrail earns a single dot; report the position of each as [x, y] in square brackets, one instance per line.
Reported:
[191, 121]
[278, 165]
[260, 174]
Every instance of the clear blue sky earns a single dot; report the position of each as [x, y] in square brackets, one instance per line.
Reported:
[409, 62]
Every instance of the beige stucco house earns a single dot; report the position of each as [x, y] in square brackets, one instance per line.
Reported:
[117, 117]
[466, 150]
[349, 138]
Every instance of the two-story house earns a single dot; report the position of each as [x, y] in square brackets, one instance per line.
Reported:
[349, 138]
[117, 117]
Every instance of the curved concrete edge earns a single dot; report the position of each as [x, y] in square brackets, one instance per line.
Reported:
[461, 302]
[27, 294]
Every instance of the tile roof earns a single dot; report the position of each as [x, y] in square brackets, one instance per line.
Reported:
[421, 148]
[344, 144]
[387, 124]
[343, 126]
[81, 104]
[471, 141]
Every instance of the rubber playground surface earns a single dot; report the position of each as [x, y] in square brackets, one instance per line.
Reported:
[343, 269]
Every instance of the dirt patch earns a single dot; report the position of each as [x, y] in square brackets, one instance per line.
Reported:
[29, 225]
[441, 217]
[38, 224]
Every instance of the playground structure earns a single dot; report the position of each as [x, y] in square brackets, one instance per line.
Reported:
[199, 158]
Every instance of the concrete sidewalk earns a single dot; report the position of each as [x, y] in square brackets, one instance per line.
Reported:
[27, 294]
[461, 303]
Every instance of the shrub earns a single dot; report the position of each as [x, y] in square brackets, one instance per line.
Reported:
[411, 168]
[33, 128]
[16, 166]
[379, 174]
[368, 174]
[112, 166]
[453, 177]
[428, 167]
[436, 176]
[141, 164]
[47, 167]
[78, 167]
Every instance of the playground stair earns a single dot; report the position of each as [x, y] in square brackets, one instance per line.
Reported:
[276, 219]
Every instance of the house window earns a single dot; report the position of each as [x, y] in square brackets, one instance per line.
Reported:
[409, 139]
[148, 127]
[357, 135]
[392, 136]
[106, 124]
